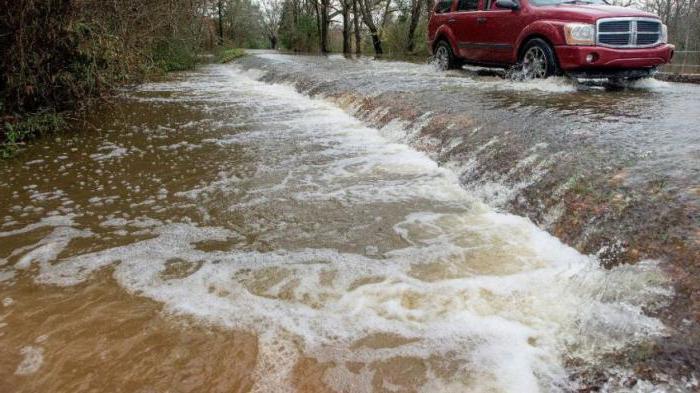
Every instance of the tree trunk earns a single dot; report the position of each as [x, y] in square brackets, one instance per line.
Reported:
[324, 25]
[345, 8]
[319, 23]
[689, 26]
[415, 17]
[385, 17]
[356, 21]
[295, 13]
[221, 21]
[367, 18]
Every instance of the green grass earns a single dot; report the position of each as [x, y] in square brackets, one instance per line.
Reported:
[226, 55]
[29, 127]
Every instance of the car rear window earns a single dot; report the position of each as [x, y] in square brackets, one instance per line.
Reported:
[443, 6]
[468, 5]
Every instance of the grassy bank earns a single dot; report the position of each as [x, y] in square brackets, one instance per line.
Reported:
[225, 55]
[19, 127]
[16, 131]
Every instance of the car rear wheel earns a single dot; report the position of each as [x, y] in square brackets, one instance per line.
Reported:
[444, 58]
[538, 60]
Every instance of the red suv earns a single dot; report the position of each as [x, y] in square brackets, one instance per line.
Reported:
[582, 38]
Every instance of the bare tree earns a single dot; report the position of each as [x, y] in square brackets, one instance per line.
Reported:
[356, 21]
[324, 21]
[271, 17]
[220, 10]
[321, 37]
[345, 12]
[366, 7]
[416, 6]
[682, 18]
[387, 12]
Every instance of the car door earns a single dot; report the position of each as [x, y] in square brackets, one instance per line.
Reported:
[497, 31]
[464, 25]
[441, 12]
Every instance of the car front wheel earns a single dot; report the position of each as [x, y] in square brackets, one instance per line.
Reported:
[444, 58]
[538, 60]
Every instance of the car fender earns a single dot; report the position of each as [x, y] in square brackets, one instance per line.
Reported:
[444, 32]
[551, 30]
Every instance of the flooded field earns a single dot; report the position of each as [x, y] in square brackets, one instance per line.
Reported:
[223, 231]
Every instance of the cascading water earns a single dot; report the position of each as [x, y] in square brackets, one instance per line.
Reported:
[350, 260]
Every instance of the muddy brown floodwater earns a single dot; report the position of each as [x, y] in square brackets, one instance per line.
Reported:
[218, 233]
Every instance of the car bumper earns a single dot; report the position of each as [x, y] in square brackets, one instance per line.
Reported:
[572, 58]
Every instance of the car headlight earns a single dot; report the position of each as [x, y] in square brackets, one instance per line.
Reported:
[664, 34]
[579, 34]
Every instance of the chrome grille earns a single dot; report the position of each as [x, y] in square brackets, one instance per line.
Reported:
[628, 32]
[614, 39]
[645, 26]
[615, 26]
[647, 39]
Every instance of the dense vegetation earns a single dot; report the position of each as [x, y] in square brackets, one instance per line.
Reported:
[393, 27]
[59, 55]
[398, 27]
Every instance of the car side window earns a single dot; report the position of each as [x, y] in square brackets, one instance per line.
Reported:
[490, 5]
[495, 6]
[443, 6]
[468, 5]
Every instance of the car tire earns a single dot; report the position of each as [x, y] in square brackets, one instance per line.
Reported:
[444, 58]
[538, 60]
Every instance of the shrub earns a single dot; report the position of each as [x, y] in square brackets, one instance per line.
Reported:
[174, 55]
[62, 54]
[302, 36]
[16, 131]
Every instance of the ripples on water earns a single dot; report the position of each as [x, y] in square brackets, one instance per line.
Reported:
[236, 234]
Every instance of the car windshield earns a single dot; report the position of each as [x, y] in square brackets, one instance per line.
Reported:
[557, 2]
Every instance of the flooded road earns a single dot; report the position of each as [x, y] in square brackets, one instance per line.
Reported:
[219, 232]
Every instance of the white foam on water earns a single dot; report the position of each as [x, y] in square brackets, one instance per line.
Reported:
[653, 84]
[486, 300]
[6, 276]
[510, 329]
[109, 151]
[32, 359]
[549, 85]
[34, 162]
[48, 221]
[50, 247]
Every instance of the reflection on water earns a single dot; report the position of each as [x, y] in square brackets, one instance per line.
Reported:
[216, 233]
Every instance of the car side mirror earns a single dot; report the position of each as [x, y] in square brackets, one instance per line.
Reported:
[508, 4]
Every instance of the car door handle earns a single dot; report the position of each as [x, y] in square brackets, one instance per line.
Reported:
[451, 20]
[481, 20]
